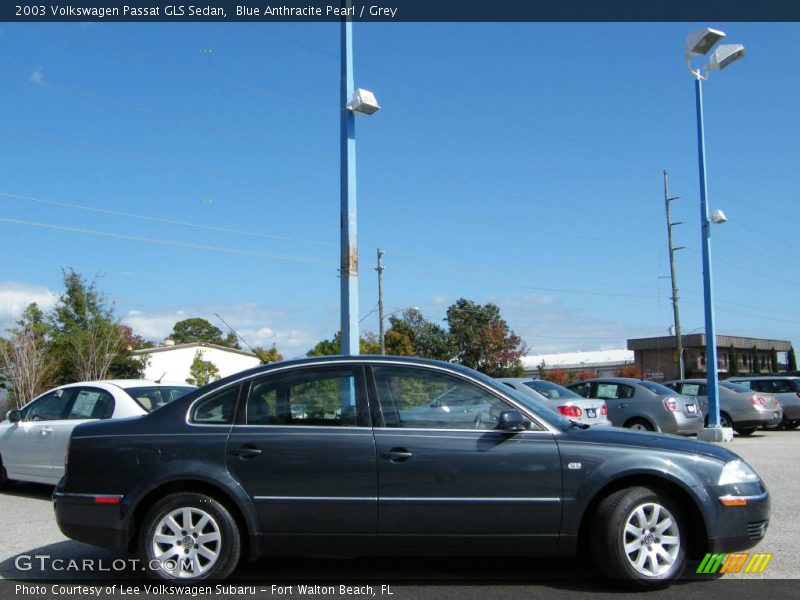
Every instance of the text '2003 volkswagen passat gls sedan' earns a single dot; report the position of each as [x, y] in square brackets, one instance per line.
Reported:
[334, 456]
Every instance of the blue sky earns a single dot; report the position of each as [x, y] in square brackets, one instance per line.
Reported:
[513, 163]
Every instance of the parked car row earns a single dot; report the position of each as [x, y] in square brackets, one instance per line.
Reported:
[679, 406]
[394, 456]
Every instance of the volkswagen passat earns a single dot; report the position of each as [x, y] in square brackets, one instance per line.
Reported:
[232, 471]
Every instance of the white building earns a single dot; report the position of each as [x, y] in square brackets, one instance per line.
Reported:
[604, 362]
[174, 362]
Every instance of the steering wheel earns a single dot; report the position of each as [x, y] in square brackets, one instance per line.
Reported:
[478, 422]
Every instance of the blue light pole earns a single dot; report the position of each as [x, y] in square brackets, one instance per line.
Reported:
[700, 43]
[348, 271]
[708, 291]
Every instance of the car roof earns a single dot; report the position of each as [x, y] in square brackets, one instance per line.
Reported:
[628, 380]
[130, 383]
[761, 377]
[515, 379]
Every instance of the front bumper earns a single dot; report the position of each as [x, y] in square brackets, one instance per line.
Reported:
[737, 527]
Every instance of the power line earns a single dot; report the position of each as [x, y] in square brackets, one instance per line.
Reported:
[166, 221]
[174, 243]
[147, 159]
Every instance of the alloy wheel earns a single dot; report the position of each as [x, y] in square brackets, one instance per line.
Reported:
[651, 539]
[187, 542]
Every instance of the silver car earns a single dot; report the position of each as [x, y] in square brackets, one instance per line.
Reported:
[645, 405]
[785, 388]
[739, 407]
[561, 400]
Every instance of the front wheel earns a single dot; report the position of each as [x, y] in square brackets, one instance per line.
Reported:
[639, 538]
[791, 424]
[3, 476]
[189, 536]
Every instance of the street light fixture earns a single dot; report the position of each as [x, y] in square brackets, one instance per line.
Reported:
[700, 43]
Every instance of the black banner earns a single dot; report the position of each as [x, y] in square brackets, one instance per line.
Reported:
[401, 10]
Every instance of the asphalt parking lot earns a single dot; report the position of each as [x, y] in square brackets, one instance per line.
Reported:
[27, 527]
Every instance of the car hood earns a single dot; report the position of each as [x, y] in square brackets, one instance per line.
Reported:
[650, 441]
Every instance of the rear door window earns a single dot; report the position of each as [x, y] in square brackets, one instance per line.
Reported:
[92, 403]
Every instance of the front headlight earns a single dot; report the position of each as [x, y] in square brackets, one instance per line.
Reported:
[736, 471]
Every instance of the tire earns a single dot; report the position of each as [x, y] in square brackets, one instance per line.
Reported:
[639, 425]
[745, 431]
[4, 481]
[791, 424]
[725, 420]
[189, 536]
[621, 550]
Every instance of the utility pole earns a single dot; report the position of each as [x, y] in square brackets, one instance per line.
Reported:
[675, 310]
[379, 269]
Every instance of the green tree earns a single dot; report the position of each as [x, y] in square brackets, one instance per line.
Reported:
[269, 355]
[427, 339]
[756, 362]
[127, 365]
[791, 360]
[733, 361]
[484, 340]
[202, 371]
[200, 330]
[398, 344]
[773, 360]
[25, 360]
[368, 344]
[542, 370]
[86, 338]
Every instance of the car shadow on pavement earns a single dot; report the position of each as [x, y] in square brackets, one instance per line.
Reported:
[20, 489]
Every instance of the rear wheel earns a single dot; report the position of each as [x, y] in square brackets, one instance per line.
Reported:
[3, 476]
[639, 425]
[725, 420]
[189, 536]
[792, 424]
[638, 537]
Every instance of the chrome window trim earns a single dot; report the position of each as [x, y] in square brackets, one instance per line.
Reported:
[546, 427]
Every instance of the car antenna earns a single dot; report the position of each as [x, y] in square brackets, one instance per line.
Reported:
[160, 378]
[236, 333]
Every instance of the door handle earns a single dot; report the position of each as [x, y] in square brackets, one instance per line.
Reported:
[46, 430]
[397, 455]
[624, 405]
[246, 451]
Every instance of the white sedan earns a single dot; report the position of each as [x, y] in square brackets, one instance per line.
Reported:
[33, 440]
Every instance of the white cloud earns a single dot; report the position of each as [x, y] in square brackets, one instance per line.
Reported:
[37, 77]
[15, 297]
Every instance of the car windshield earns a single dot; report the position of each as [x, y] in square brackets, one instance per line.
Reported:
[552, 390]
[735, 387]
[656, 388]
[153, 397]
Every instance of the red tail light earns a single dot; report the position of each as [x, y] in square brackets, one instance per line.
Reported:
[107, 499]
[570, 411]
[757, 400]
[604, 410]
[671, 405]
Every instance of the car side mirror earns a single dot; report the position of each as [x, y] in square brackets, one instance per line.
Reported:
[14, 416]
[512, 420]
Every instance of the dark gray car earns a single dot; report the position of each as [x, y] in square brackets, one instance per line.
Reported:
[785, 388]
[231, 472]
[739, 407]
[644, 405]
